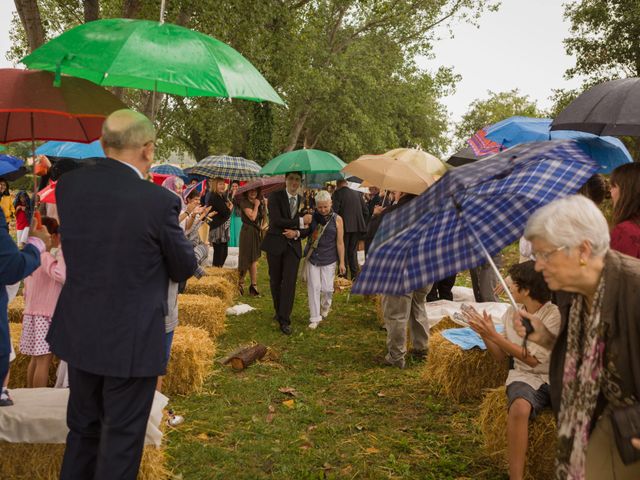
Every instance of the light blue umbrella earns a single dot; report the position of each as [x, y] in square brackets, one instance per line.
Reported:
[470, 214]
[74, 150]
[609, 152]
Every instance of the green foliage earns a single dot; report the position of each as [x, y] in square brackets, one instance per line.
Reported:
[345, 68]
[493, 109]
[605, 38]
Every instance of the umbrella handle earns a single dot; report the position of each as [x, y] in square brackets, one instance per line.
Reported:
[489, 258]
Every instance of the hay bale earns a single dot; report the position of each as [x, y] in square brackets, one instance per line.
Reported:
[208, 313]
[192, 354]
[461, 375]
[214, 287]
[341, 284]
[42, 461]
[444, 324]
[18, 368]
[16, 309]
[229, 274]
[542, 435]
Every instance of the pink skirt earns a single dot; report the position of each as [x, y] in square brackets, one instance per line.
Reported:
[34, 331]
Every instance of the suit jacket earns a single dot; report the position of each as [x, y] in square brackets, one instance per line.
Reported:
[14, 266]
[350, 205]
[280, 219]
[122, 243]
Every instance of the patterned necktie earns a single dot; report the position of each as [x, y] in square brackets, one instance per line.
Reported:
[292, 206]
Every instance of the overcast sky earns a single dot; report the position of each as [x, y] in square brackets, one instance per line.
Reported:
[520, 46]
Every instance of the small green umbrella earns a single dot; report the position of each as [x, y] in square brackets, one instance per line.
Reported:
[305, 161]
[155, 56]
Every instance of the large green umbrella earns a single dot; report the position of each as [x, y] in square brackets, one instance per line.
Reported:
[305, 161]
[155, 56]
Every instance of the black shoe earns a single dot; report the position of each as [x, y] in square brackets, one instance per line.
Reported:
[286, 329]
[418, 354]
[5, 398]
[253, 291]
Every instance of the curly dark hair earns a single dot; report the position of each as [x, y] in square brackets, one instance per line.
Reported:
[525, 277]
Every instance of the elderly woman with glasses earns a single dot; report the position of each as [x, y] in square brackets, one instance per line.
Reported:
[595, 364]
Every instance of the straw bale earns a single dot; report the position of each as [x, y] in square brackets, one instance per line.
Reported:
[229, 274]
[461, 375]
[190, 363]
[492, 422]
[18, 369]
[341, 284]
[444, 324]
[214, 287]
[42, 461]
[208, 313]
[16, 308]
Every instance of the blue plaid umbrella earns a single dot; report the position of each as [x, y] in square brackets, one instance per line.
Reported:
[167, 169]
[470, 214]
[234, 168]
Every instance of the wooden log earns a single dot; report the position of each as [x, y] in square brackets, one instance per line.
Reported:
[246, 357]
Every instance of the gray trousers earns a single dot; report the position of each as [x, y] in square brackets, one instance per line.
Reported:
[404, 313]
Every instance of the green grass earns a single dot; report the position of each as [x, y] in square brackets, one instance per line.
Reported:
[351, 419]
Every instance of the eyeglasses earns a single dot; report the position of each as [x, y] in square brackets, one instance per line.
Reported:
[544, 256]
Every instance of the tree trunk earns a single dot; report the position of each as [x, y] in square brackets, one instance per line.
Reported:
[130, 8]
[30, 17]
[298, 125]
[246, 357]
[91, 10]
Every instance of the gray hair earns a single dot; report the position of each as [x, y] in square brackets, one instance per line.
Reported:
[569, 222]
[323, 196]
[127, 129]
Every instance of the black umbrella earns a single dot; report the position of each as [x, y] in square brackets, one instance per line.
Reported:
[610, 108]
[462, 157]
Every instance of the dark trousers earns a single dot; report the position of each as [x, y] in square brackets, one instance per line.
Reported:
[351, 252]
[283, 275]
[4, 368]
[220, 252]
[107, 419]
[442, 290]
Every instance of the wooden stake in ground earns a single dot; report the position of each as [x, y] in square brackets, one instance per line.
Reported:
[244, 358]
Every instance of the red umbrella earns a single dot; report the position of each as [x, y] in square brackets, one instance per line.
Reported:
[266, 185]
[48, 193]
[31, 108]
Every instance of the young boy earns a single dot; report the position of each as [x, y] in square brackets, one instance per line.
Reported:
[528, 380]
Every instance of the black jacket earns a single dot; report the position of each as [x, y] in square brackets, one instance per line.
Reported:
[279, 220]
[376, 220]
[121, 242]
[218, 203]
[350, 205]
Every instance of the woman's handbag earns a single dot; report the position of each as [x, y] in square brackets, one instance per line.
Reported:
[626, 425]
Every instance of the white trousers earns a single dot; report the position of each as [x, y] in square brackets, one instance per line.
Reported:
[320, 290]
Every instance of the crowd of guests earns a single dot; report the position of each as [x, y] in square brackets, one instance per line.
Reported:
[110, 318]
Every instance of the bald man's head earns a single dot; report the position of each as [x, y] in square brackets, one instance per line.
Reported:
[125, 129]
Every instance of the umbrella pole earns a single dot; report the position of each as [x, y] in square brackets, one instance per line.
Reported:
[33, 152]
[490, 260]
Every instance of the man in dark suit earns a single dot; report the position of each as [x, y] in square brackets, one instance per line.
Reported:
[287, 225]
[122, 242]
[350, 205]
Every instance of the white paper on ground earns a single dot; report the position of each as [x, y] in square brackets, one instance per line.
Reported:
[39, 415]
[239, 309]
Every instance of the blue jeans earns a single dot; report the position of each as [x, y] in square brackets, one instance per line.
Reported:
[4, 367]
